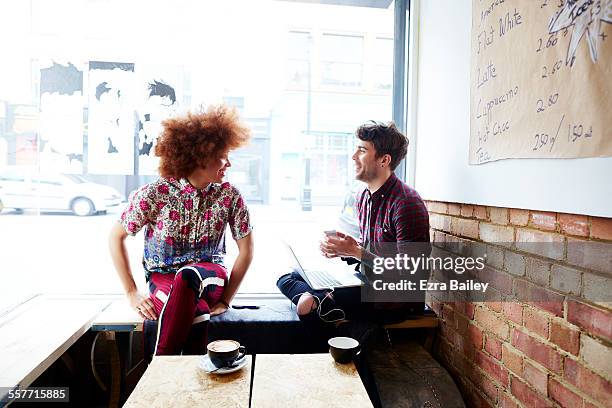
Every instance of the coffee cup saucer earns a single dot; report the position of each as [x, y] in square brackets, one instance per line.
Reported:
[206, 365]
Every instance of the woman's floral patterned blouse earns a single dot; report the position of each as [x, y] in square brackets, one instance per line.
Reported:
[183, 224]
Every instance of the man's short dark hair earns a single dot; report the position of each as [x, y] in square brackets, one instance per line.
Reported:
[386, 138]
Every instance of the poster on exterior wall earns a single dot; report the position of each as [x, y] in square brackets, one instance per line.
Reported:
[158, 99]
[61, 117]
[111, 118]
[541, 79]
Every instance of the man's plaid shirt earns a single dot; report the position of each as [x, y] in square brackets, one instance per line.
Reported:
[394, 213]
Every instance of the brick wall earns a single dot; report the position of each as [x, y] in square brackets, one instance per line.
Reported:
[510, 353]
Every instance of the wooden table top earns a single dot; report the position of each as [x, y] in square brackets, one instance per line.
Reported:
[38, 332]
[176, 381]
[306, 380]
[118, 316]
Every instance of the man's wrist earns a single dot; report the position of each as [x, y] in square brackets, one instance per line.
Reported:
[358, 253]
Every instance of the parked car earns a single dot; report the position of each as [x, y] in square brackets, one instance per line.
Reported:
[20, 189]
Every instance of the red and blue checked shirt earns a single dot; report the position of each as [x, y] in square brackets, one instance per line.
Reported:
[393, 213]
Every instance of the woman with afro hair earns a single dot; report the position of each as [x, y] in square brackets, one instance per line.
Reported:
[184, 215]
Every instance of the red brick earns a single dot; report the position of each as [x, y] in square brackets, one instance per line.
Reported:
[539, 297]
[440, 222]
[480, 212]
[535, 377]
[492, 322]
[448, 314]
[512, 360]
[467, 210]
[461, 324]
[594, 255]
[514, 311]
[498, 215]
[564, 397]
[440, 238]
[596, 355]
[444, 350]
[587, 381]
[565, 337]
[577, 225]
[538, 271]
[459, 303]
[491, 367]
[456, 339]
[495, 306]
[463, 364]
[536, 322]
[437, 207]
[564, 279]
[496, 234]
[601, 228]
[595, 321]
[454, 209]
[526, 395]
[495, 257]
[493, 347]
[506, 401]
[464, 228]
[542, 353]
[514, 263]
[544, 220]
[470, 309]
[597, 289]
[474, 336]
[484, 384]
[493, 299]
[496, 279]
[474, 399]
[545, 244]
[519, 217]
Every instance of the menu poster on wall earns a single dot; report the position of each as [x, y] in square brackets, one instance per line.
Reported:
[541, 79]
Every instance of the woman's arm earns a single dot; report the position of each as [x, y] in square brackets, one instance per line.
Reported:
[116, 244]
[243, 261]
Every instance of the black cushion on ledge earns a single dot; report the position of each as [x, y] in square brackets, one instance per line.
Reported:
[273, 328]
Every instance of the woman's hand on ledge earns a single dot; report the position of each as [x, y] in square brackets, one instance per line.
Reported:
[142, 304]
[218, 309]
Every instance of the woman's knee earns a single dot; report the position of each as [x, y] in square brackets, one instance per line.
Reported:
[185, 279]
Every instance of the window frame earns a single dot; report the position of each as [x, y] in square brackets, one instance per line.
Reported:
[401, 41]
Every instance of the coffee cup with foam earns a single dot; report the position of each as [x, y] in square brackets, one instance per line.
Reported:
[225, 353]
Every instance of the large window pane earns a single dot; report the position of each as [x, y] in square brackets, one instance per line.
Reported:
[83, 95]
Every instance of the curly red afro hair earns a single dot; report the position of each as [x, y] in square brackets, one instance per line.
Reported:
[188, 142]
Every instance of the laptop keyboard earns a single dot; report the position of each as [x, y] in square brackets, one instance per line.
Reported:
[322, 279]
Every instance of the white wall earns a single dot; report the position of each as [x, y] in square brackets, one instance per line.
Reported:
[581, 186]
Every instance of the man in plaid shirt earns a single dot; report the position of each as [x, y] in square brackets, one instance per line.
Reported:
[388, 210]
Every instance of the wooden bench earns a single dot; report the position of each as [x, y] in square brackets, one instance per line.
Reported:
[428, 322]
[405, 375]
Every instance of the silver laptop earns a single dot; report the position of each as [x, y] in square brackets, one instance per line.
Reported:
[319, 279]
